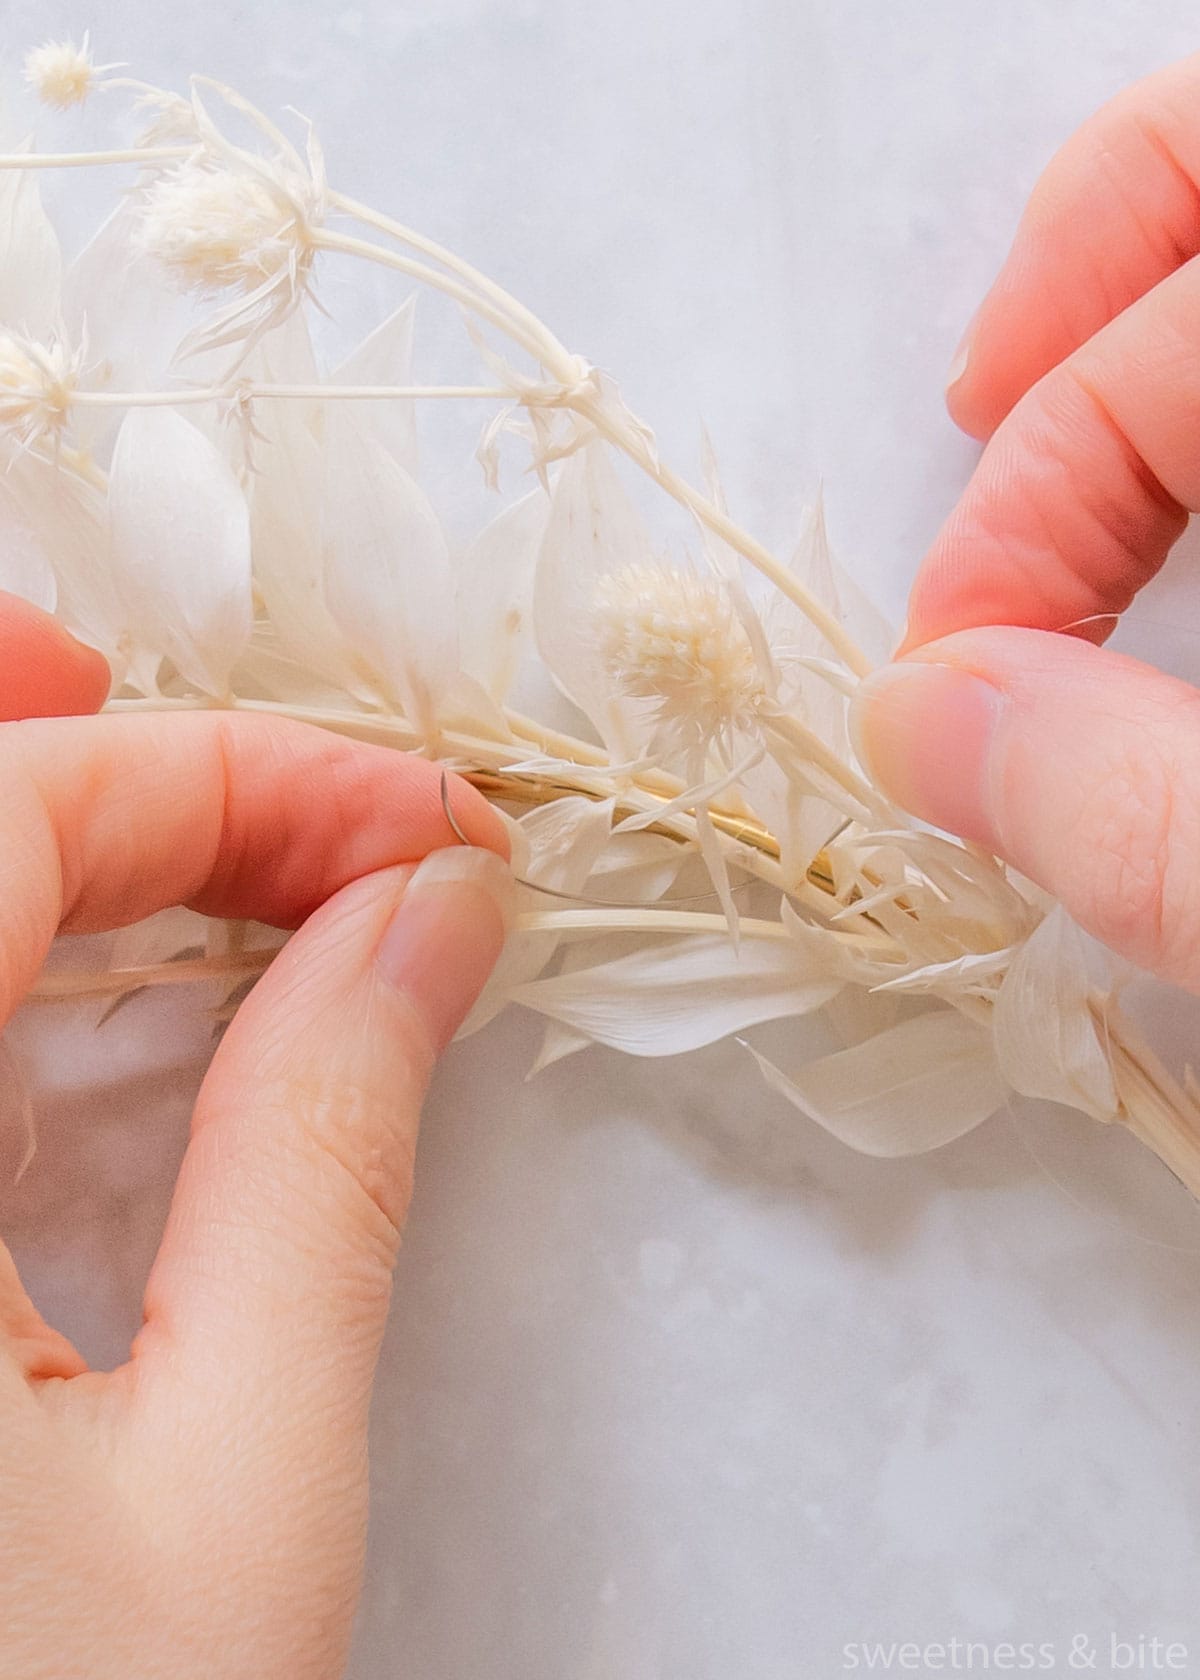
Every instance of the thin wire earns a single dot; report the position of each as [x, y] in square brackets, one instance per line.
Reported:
[581, 898]
[1109, 618]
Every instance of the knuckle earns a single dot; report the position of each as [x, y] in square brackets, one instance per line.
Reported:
[352, 1148]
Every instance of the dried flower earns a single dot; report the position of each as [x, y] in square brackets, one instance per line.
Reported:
[214, 228]
[674, 637]
[226, 219]
[36, 385]
[314, 579]
[61, 73]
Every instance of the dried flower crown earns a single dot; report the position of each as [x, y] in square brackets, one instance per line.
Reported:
[265, 545]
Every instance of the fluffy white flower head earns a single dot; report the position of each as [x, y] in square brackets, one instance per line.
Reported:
[60, 73]
[216, 227]
[37, 382]
[674, 637]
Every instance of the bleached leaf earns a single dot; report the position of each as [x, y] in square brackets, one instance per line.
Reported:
[560, 844]
[158, 938]
[18, 1124]
[179, 543]
[814, 563]
[25, 568]
[907, 1090]
[495, 594]
[130, 320]
[46, 511]
[558, 1042]
[387, 571]
[30, 259]
[286, 516]
[592, 530]
[385, 358]
[636, 868]
[566, 839]
[976, 975]
[1047, 1040]
[680, 994]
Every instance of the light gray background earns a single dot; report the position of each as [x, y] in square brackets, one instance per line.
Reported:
[675, 1388]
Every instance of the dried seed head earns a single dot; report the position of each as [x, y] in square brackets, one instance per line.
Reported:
[37, 382]
[215, 227]
[675, 637]
[60, 73]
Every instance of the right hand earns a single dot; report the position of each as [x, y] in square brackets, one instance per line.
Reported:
[1082, 370]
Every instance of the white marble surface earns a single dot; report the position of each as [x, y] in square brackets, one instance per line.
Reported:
[676, 1389]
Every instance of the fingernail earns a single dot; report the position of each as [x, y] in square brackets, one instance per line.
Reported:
[446, 933]
[927, 736]
[959, 364]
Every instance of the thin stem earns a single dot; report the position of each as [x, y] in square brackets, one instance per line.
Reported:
[797, 734]
[553, 351]
[1158, 1110]
[595, 920]
[86, 160]
[117, 981]
[753, 848]
[348, 246]
[255, 392]
[624, 433]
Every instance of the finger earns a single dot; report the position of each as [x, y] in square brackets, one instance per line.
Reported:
[268, 1299]
[106, 822]
[44, 671]
[1116, 211]
[1082, 491]
[1077, 765]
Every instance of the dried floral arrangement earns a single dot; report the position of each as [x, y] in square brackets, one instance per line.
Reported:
[700, 850]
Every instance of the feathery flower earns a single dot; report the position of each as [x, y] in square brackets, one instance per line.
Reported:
[62, 74]
[673, 637]
[226, 219]
[214, 227]
[36, 385]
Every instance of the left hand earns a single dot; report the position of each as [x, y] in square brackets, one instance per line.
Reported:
[201, 1512]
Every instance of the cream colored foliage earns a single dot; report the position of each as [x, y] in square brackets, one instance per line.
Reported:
[244, 524]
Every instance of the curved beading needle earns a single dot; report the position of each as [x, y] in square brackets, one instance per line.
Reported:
[579, 898]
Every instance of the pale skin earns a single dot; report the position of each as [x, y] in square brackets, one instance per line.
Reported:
[202, 1510]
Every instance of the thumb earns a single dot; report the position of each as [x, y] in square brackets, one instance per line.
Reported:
[267, 1301]
[1077, 765]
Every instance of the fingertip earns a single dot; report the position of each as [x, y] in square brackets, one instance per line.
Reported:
[44, 670]
[479, 820]
[923, 730]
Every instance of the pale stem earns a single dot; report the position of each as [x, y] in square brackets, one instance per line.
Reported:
[591, 920]
[86, 160]
[624, 434]
[554, 351]
[487, 755]
[347, 245]
[1157, 1109]
[810, 746]
[250, 391]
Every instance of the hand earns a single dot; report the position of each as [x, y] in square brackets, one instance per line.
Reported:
[1082, 369]
[202, 1510]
